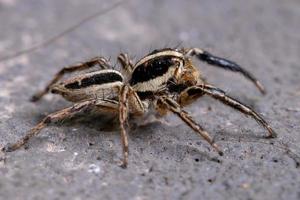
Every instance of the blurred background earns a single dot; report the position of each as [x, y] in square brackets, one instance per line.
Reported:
[78, 159]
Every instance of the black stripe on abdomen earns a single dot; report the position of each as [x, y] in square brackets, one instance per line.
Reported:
[97, 79]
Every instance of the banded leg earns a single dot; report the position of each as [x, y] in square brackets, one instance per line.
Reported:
[57, 116]
[174, 107]
[221, 96]
[107, 106]
[102, 62]
[223, 63]
[123, 115]
[126, 63]
[129, 102]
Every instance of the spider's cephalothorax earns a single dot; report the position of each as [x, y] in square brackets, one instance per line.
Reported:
[151, 74]
[165, 79]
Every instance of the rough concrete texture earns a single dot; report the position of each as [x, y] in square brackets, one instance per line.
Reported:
[78, 159]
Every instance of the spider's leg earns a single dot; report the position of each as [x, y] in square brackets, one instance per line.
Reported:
[107, 106]
[128, 102]
[221, 96]
[56, 116]
[126, 63]
[223, 63]
[174, 107]
[102, 62]
[123, 115]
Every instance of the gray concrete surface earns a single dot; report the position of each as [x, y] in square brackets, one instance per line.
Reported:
[78, 159]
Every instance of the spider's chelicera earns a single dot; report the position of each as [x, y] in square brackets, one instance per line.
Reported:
[165, 80]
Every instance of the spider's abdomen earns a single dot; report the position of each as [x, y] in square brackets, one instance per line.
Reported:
[90, 85]
[95, 79]
[152, 72]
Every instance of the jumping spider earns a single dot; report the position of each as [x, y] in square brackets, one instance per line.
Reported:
[165, 81]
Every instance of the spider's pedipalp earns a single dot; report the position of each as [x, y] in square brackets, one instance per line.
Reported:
[220, 95]
[223, 63]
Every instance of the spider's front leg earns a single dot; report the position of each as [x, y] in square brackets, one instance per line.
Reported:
[194, 92]
[102, 62]
[54, 117]
[128, 102]
[223, 63]
[173, 106]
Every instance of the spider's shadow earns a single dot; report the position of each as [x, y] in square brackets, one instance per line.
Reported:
[109, 124]
[229, 136]
[99, 122]
[143, 133]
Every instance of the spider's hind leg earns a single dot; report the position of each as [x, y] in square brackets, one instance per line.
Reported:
[126, 63]
[220, 95]
[102, 62]
[223, 63]
[57, 116]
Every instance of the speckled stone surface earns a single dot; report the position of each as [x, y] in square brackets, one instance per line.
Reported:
[78, 159]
